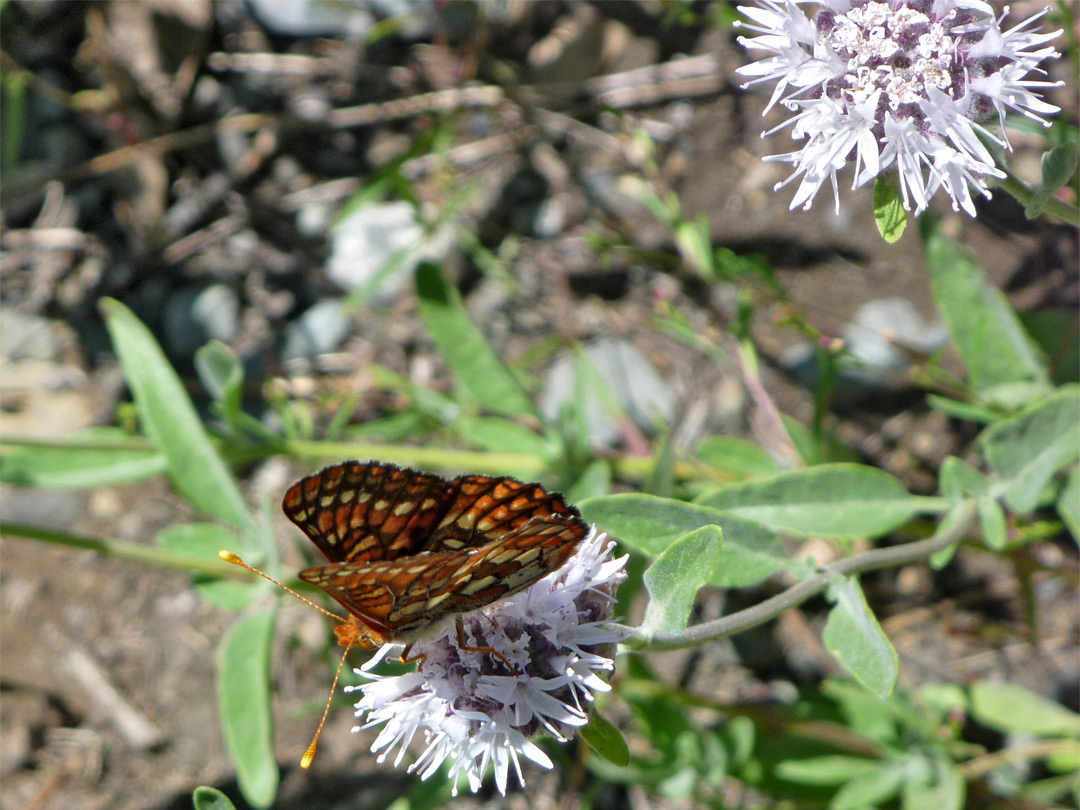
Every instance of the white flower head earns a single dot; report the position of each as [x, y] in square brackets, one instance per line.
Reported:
[474, 711]
[897, 83]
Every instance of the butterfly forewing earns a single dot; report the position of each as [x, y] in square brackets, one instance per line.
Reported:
[486, 507]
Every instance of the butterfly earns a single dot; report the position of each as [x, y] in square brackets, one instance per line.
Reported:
[410, 552]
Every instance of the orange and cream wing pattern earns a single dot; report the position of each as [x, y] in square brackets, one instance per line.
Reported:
[407, 548]
[368, 511]
[485, 507]
[356, 512]
[401, 599]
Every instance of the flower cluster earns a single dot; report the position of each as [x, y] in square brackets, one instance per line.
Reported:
[471, 708]
[899, 83]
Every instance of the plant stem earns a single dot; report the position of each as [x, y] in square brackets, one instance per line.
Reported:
[625, 467]
[1054, 207]
[953, 529]
[1020, 754]
[128, 551]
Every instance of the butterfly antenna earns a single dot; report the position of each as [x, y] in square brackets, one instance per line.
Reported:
[305, 761]
[229, 557]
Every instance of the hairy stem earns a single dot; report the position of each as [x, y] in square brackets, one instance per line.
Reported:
[953, 529]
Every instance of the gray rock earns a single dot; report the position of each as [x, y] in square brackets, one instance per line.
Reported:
[881, 329]
[27, 337]
[194, 316]
[321, 329]
[300, 18]
[617, 376]
[880, 339]
[365, 243]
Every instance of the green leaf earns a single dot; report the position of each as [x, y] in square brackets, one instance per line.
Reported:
[1015, 396]
[476, 366]
[992, 522]
[867, 714]
[1058, 168]
[835, 500]
[244, 705]
[75, 467]
[814, 448]
[943, 699]
[750, 553]
[937, 784]
[676, 577]
[170, 420]
[506, 436]
[695, 246]
[594, 481]
[940, 558]
[991, 341]
[1068, 503]
[825, 771]
[959, 479]
[605, 739]
[204, 540]
[1010, 707]
[889, 213]
[661, 478]
[209, 798]
[1028, 449]
[15, 83]
[738, 456]
[1055, 330]
[853, 635]
[220, 370]
[871, 789]
[963, 410]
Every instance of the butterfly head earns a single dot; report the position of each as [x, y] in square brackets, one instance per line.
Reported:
[356, 633]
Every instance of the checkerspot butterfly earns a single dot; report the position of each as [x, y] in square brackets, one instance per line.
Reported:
[409, 552]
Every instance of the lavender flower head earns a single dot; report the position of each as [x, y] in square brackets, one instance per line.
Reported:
[471, 708]
[899, 83]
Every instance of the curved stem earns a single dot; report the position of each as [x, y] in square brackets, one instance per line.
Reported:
[1054, 206]
[955, 526]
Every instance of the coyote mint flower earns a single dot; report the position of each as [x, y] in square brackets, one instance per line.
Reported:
[901, 83]
[471, 708]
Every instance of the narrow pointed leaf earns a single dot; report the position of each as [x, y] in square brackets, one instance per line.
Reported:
[476, 366]
[76, 467]
[989, 337]
[170, 421]
[605, 739]
[244, 705]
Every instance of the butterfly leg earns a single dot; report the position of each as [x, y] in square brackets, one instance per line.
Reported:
[463, 646]
[406, 659]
